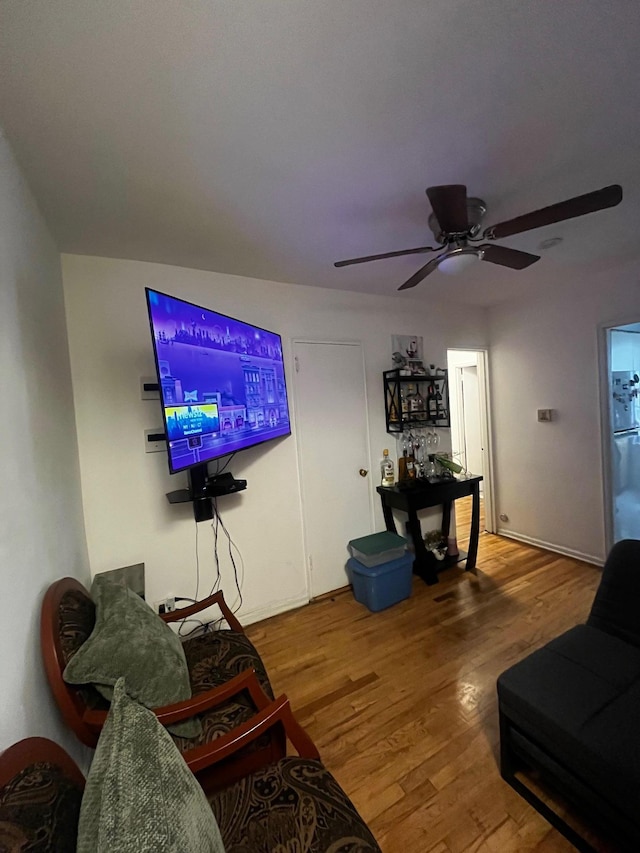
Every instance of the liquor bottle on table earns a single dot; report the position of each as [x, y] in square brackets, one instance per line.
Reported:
[387, 471]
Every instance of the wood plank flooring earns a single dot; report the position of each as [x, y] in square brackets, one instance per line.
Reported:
[402, 703]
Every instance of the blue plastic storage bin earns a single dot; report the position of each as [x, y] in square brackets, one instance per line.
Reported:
[377, 548]
[379, 587]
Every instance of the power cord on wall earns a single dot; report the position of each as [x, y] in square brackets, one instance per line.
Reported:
[232, 545]
[215, 525]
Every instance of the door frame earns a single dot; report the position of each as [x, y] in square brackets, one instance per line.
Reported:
[486, 430]
[606, 423]
[294, 374]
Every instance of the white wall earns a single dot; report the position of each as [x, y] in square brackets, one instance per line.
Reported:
[544, 354]
[128, 519]
[42, 532]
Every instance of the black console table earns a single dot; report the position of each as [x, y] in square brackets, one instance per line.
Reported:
[419, 495]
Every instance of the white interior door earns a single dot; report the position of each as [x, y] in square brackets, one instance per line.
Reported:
[333, 445]
[471, 419]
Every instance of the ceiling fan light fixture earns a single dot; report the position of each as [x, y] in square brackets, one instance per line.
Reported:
[457, 262]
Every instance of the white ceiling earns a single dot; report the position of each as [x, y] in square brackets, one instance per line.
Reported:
[270, 138]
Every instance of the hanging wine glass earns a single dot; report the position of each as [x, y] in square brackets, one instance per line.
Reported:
[423, 453]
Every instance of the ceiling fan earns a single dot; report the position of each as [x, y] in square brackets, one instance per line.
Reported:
[456, 222]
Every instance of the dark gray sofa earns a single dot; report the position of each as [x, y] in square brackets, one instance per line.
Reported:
[571, 711]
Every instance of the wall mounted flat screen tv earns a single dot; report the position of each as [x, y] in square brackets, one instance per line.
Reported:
[222, 382]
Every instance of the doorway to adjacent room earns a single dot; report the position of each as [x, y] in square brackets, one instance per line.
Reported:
[470, 420]
[620, 398]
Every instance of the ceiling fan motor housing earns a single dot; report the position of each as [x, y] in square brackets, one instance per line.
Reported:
[476, 211]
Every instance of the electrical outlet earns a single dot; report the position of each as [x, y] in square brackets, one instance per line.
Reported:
[166, 605]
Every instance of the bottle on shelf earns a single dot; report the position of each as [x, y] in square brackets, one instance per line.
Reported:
[387, 470]
[409, 409]
[438, 401]
[410, 458]
[432, 402]
[417, 405]
[402, 457]
[404, 404]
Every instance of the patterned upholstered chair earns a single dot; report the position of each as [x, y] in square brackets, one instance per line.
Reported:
[228, 679]
[293, 803]
[40, 794]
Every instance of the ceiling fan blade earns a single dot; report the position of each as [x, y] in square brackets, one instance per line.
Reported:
[417, 251]
[449, 203]
[512, 258]
[578, 206]
[422, 273]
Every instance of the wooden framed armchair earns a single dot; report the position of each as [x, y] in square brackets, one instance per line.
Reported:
[228, 679]
[41, 790]
[292, 803]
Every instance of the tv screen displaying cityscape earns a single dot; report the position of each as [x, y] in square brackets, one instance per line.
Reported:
[222, 382]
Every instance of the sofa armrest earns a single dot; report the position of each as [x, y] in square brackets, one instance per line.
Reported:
[198, 704]
[209, 601]
[277, 713]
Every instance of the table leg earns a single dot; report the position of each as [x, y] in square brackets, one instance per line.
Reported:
[475, 530]
[423, 563]
[446, 519]
[389, 520]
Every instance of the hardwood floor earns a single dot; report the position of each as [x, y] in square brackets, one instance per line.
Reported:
[402, 703]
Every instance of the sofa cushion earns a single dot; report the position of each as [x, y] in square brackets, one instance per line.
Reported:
[577, 698]
[617, 601]
[294, 804]
[39, 811]
[140, 795]
[213, 658]
[130, 640]
[216, 656]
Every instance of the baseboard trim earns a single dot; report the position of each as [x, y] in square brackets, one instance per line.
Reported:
[260, 613]
[550, 546]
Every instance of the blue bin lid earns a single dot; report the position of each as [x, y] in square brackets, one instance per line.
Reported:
[376, 543]
[404, 562]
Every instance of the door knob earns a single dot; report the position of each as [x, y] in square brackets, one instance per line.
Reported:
[363, 472]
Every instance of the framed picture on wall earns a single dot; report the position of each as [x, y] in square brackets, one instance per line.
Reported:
[406, 350]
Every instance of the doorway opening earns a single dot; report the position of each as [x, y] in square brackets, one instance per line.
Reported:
[621, 432]
[470, 421]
